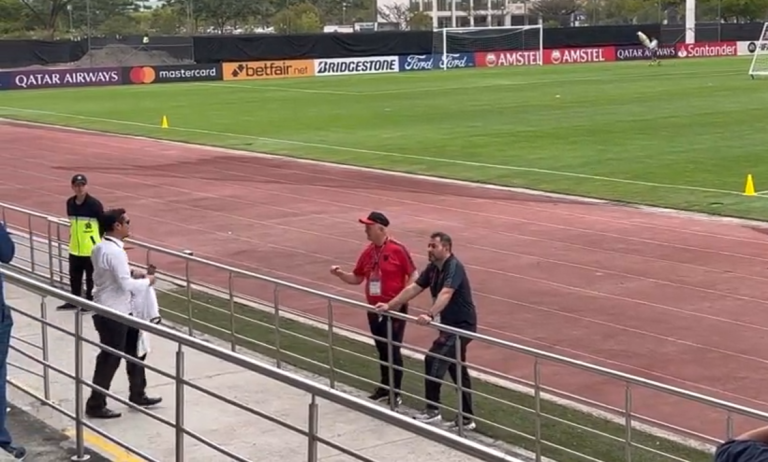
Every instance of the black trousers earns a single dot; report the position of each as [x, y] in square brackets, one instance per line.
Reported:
[119, 336]
[79, 267]
[444, 346]
[379, 329]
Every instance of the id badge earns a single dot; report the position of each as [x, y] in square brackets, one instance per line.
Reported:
[374, 287]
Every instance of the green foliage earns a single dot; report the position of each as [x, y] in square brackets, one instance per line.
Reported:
[654, 11]
[166, 20]
[298, 19]
[106, 16]
[13, 17]
[420, 21]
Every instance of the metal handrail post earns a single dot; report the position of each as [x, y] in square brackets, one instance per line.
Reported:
[80, 455]
[180, 401]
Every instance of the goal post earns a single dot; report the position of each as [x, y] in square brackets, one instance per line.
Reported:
[455, 40]
[759, 66]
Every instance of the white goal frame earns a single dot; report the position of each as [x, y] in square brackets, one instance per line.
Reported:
[444, 34]
[762, 44]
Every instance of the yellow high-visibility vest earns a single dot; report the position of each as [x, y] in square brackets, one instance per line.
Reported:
[83, 236]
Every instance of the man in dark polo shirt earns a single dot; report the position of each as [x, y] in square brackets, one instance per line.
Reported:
[749, 447]
[386, 267]
[451, 293]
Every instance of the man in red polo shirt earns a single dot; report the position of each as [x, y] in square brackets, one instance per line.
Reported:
[387, 268]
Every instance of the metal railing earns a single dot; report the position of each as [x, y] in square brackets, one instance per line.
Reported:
[185, 343]
[218, 282]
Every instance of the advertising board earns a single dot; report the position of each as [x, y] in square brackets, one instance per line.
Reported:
[56, 78]
[748, 48]
[508, 58]
[349, 66]
[5, 80]
[170, 74]
[706, 49]
[639, 52]
[580, 55]
[436, 62]
[262, 70]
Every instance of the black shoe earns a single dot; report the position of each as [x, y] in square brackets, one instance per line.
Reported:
[146, 401]
[379, 394]
[66, 307]
[102, 413]
[17, 452]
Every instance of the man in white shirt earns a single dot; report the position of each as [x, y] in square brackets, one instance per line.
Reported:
[114, 281]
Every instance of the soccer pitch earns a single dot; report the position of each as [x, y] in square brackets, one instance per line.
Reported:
[682, 135]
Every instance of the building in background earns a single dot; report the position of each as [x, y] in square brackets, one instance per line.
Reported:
[465, 13]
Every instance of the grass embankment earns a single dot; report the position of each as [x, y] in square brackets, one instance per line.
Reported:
[306, 349]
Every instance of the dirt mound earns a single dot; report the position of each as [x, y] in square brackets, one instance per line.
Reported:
[125, 55]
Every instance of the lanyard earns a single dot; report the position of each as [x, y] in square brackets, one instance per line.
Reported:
[114, 241]
[377, 255]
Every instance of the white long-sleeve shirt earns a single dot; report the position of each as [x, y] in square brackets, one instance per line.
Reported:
[112, 276]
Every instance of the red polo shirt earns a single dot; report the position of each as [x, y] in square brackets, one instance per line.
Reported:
[391, 263]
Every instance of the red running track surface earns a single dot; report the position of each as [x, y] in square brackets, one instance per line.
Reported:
[669, 297]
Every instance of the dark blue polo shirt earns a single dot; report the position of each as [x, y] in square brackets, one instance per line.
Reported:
[742, 451]
[460, 310]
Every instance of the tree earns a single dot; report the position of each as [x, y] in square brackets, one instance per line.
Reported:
[103, 16]
[45, 14]
[408, 17]
[219, 13]
[420, 21]
[397, 13]
[13, 17]
[298, 19]
[737, 10]
[165, 20]
[556, 10]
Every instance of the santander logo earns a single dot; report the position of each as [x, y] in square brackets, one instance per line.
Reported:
[706, 50]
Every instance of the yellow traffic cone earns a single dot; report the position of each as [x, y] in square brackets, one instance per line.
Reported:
[749, 188]
[164, 123]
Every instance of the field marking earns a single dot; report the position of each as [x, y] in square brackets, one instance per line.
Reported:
[9, 110]
[462, 87]
[279, 88]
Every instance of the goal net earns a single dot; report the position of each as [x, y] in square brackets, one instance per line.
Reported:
[759, 66]
[455, 40]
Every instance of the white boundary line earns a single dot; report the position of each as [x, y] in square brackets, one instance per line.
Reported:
[6, 110]
[599, 78]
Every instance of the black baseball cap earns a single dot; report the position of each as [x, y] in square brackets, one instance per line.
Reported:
[79, 178]
[375, 218]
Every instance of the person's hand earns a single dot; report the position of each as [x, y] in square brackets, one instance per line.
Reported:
[151, 270]
[336, 270]
[423, 320]
[137, 274]
[151, 279]
[382, 307]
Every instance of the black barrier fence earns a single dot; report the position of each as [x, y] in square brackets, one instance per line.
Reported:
[133, 51]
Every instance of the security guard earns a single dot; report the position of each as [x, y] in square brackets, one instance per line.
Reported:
[84, 212]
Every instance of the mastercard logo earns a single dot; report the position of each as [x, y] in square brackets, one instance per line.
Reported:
[142, 75]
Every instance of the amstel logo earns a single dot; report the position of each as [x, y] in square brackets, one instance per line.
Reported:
[143, 75]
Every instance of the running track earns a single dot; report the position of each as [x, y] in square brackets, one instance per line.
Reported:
[672, 298]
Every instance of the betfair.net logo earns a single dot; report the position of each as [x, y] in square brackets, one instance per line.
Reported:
[268, 70]
[238, 70]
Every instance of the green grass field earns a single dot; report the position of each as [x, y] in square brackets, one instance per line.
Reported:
[683, 135]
